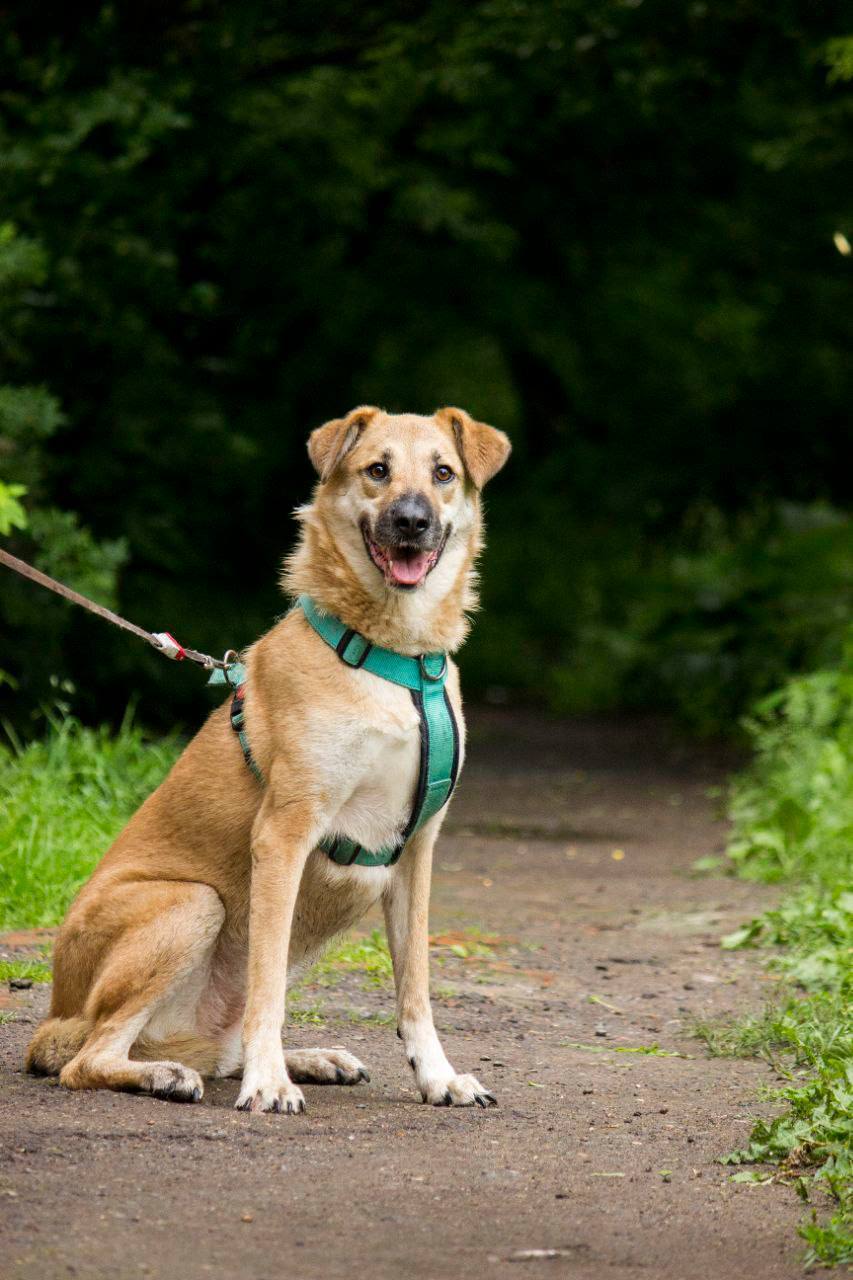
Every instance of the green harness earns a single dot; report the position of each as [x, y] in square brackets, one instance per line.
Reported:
[425, 678]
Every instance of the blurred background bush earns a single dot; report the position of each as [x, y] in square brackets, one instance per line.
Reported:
[617, 231]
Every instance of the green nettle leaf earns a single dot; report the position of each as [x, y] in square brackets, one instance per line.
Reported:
[12, 514]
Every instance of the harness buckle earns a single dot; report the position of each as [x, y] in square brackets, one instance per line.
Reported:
[343, 649]
[425, 671]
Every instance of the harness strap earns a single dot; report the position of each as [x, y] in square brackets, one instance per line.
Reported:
[355, 651]
[425, 678]
[238, 725]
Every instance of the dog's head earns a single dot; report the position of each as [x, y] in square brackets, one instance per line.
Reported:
[402, 491]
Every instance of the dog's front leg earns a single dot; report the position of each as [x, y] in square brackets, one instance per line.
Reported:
[282, 838]
[406, 904]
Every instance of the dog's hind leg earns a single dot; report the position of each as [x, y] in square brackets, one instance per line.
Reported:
[164, 933]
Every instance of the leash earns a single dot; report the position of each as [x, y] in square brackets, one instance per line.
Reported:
[424, 677]
[162, 641]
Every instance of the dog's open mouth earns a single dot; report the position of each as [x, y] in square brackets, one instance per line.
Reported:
[405, 567]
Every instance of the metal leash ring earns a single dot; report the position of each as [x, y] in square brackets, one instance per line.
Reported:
[425, 671]
[229, 659]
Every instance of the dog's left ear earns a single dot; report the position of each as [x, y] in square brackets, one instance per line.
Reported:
[483, 449]
[330, 444]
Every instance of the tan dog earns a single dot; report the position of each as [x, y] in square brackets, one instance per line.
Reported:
[173, 960]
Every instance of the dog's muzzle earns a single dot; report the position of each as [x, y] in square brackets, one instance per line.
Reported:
[407, 542]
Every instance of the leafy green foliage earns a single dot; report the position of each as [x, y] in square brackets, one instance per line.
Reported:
[793, 810]
[65, 797]
[69, 552]
[12, 514]
[30, 419]
[699, 623]
[608, 231]
[793, 819]
[839, 56]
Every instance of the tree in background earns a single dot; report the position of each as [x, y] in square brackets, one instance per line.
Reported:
[610, 231]
[29, 418]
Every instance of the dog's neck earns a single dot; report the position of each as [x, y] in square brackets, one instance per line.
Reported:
[406, 622]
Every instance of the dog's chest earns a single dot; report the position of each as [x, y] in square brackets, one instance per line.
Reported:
[378, 752]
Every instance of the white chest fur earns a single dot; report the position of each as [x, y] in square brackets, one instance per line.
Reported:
[376, 757]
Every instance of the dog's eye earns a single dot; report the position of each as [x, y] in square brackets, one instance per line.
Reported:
[378, 471]
[443, 473]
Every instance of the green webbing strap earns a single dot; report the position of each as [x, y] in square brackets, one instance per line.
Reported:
[234, 676]
[355, 651]
[425, 678]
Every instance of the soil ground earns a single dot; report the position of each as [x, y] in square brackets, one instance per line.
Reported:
[566, 926]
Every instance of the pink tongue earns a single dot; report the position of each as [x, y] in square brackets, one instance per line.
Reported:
[410, 571]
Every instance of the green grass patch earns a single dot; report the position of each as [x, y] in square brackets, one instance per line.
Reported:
[305, 1015]
[28, 970]
[371, 1019]
[65, 798]
[369, 956]
[792, 816]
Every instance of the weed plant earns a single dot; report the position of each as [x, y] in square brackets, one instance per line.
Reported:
[792, 814]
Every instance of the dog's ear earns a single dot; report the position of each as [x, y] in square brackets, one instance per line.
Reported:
[483, 449]
[330, 444]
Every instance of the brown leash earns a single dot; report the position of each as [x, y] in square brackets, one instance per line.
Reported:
[160, 640]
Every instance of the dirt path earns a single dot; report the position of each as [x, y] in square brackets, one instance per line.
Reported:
[607, 1158]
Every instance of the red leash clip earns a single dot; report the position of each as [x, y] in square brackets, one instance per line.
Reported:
[169, 646]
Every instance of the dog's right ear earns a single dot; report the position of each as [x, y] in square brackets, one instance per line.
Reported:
[330, 444]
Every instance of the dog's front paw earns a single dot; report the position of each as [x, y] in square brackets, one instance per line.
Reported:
[325, 1066]
[270, 1095]
[458, 1091]
[172, 1081]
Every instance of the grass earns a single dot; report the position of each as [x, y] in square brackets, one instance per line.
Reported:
[26, 970]
[369, 956]
[792, 816]
[65, 798]
[300, 1015]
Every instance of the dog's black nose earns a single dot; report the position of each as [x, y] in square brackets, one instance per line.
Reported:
[410, 515]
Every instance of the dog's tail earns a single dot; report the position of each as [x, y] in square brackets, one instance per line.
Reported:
[58, 1040]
